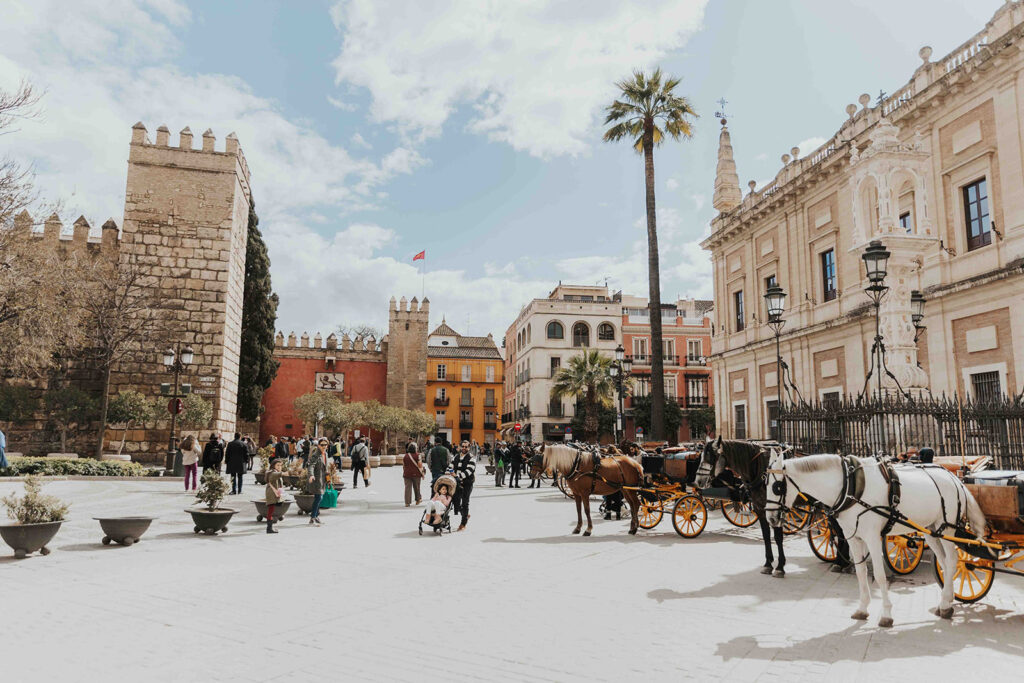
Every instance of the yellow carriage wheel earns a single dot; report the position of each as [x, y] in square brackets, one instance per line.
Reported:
[738, 513]
[904, 553]
[795, 520]
[821, 540]
[650, 513]
[689, 516]
[973, 577]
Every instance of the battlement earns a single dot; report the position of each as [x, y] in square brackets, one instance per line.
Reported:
[360, 343]
[409, 310]
[231, 159]
[82, 235]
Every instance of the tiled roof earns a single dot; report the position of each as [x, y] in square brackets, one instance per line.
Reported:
[703, 305]
[444, 331]
[478, 342]
[463, 352]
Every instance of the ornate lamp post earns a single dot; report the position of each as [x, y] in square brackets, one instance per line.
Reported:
[620, 370]
[917, 315]
[876, 260]
[775, 300]
[175, 361]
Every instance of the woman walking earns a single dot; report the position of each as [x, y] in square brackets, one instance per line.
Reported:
[274, 493]
[317, 478]
[412, 472]
[190, 454]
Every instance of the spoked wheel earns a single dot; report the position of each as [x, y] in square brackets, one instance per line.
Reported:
[650, 513]
[689, 516]
[822, 540]
[973, 577]
[738, 513]
[795, 519]
[904, 553]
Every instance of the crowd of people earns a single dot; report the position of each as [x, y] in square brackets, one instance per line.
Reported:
[236, 457]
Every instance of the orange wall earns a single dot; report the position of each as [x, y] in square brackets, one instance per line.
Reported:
[478, 387]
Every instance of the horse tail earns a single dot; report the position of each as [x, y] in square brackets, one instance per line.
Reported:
[975, 517]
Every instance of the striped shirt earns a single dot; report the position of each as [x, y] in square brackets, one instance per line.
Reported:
[464, 467]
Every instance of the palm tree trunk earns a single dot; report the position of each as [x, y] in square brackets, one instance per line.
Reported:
[654, 277]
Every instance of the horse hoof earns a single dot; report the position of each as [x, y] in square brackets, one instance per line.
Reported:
[575, 531]
[885, 622]
[779, 573]
[859, 615]
[587, 532]
[632, 532]
[945, 613]
[766, 570]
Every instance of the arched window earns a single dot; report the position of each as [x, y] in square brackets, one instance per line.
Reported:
[555, 330]
[580, 335]
[605, 332]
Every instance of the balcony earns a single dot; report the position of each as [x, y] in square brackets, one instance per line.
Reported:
[466, 401]
[646, 359]
[696, 361]
[506, 417]
[520, 414]
[556, 410]
[443, 424]
[694, 401]
[441, 401]
[490, 426]
[465, 424]
[490, 403]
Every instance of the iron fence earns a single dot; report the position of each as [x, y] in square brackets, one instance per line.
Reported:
[952, 426]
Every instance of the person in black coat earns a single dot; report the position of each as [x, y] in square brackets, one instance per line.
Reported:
[237, 459]
[281, 449]
[213, 454]
[515, 457]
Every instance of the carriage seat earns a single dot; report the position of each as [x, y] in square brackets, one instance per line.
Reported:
[1000, 493]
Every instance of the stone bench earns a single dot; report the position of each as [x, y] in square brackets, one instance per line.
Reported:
[63, 456]
[120, 457]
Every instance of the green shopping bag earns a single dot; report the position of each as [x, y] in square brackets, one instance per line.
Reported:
[330, 499]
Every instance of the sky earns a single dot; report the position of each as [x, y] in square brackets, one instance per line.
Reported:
[469, 129]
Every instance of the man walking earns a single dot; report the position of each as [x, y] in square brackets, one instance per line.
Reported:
[213, 454]
[515, 455]
[280, 448]
[360, 455]
[237, 458]
[464, 467]
[437, 458]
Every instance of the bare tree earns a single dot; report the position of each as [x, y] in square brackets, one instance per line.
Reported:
[363, 330]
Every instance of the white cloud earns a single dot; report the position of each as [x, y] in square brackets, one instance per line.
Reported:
[535, 75]
[698, 200]
[810, 144]
[338, 104]
[671, 184]
[359, 141]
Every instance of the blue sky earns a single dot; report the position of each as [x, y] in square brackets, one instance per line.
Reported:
[470, 129]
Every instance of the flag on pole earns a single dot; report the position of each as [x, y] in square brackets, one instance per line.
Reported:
[420, 256]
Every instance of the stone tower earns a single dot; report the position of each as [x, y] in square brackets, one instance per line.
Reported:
[407, 353]
[727, 184]
[186, 219]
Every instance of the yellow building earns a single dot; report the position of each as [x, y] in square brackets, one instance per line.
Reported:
[464, 384]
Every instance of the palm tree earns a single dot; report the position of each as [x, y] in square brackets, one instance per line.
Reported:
[646, 110]
[588, 379]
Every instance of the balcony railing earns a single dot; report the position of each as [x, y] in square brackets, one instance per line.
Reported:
[490, 403]
[443, 424]
[463, 401]
[465, 424]
[699, 361]
[507, 417]
[556, 410]
[694, 401]
[490, 426]
[646, 359]
[441, 401]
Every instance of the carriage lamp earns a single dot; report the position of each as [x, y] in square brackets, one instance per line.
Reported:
[917, 308]
[627, 364]
[169, 358]
[613, 370]
[620, 353]
[187, 355]
[176, 360]
[876, 258]
[775, 301]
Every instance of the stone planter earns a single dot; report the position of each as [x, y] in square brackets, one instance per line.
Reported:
[261, 478]
[304, 501]
[374, 461]
[388, 460]
[211, 521]
[123, 530]
[346, 462]
[279, 509]
[28, 538]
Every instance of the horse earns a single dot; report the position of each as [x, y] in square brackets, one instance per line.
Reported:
[869, 499]
[588, 474]
[748, 462]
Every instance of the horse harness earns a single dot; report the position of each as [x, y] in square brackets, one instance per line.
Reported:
[596, 459]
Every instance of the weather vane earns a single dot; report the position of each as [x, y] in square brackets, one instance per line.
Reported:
[720, 114]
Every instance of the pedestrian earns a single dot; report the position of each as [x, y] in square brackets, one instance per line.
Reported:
[317, 466]
[360, 455]
[515, 455]
[412, 473]
[499, 468]
[236, 457]
[535, 469]
[213, 454]
[250, 447]
[367, 467]
[190, 454]
[274, 492]
[437, 459]
[926, 455]
[3, 449]
[464, 467]
[338, 450]
[474, 450]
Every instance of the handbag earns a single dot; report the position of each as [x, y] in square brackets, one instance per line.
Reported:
[330, 497]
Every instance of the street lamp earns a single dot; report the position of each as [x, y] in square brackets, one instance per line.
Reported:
[619, 370]
[775, 301]
[175, 360]
[917, 316]
[876, 260]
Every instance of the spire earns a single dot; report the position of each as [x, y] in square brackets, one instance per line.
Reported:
[727, 184]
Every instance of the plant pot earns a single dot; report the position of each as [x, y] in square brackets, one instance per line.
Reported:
[374, 461]
[28, 538]
[261, 477]
[211, 521]
[123, 530]
[346, 462]
[304, 501]
[387, 460]
[279, 509]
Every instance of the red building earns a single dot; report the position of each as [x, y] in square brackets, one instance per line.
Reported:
[686, 335]
[357, 370]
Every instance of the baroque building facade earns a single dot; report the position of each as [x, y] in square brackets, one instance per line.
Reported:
[935, 173]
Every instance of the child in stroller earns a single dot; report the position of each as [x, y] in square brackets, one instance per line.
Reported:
[438, 511]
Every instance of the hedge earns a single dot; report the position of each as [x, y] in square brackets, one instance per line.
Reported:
[71, 467]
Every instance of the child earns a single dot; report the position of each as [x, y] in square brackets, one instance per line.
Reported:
[437, 505]
[274, 492]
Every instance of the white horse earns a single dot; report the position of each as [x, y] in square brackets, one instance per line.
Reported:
[929, 496]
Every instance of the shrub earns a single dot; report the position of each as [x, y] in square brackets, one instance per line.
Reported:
[212, 490]
[34, 507]
[57, 467]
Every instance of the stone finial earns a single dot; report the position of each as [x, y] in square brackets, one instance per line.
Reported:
[414, 304]
[163, 136]
[318, 341]
[403, 304]
[785, 159]
[357, 344]
[185, 139]
[208, 140]
[138, 134]
[292, 340]
[304, 340]
[23, 221]
[52, 227]
[864, 99]
[851, 109]
[332, 341]
[925, 53]
[81, 229]
[795, 151]
[727, 194]
[231, 143]
[279, 339]
[394, 304]
[752, 184]
[346, 342]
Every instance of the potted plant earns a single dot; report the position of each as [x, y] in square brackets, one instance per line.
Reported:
[265, 454]
[211, 519]
[123, 530]
[37, 518]
[303, 499]
[296, 475]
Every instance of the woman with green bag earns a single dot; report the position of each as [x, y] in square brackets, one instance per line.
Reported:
[317, 479]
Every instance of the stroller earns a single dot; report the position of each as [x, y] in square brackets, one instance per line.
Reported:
[445, 524]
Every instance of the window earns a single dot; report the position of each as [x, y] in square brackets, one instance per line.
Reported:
[670, 386]
[905, 221]
[605, 332]
[489, 421]
[442, 393]
[442, 371]
[769, 282]
[640, 346]
[985, 385]
[979, 232]
[828, 274]
[490, 373]
[693, 350]
[643, 387]
[697, 391]
[556, 363]
[580, 335]
[555, 330]
[668, 348]
[439, 416]
[489, 399]
[740, 421]
[529, 333]
[555, 408]
[737, 304]
[467, 398]
[466, 373]
[772, 414]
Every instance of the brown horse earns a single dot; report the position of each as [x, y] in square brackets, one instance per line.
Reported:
[588, 474]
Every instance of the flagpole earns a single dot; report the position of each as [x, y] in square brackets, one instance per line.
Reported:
[423, 275]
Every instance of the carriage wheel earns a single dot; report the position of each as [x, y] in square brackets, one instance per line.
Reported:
[738, 513]
[973, 577]
[904, 553]
[796, 518]
[821, 540]
[689, 516]
[650, 514]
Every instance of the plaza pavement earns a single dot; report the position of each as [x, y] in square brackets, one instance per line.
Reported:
[514, 597]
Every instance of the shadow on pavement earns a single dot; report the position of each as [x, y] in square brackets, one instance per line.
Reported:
[614, 537]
